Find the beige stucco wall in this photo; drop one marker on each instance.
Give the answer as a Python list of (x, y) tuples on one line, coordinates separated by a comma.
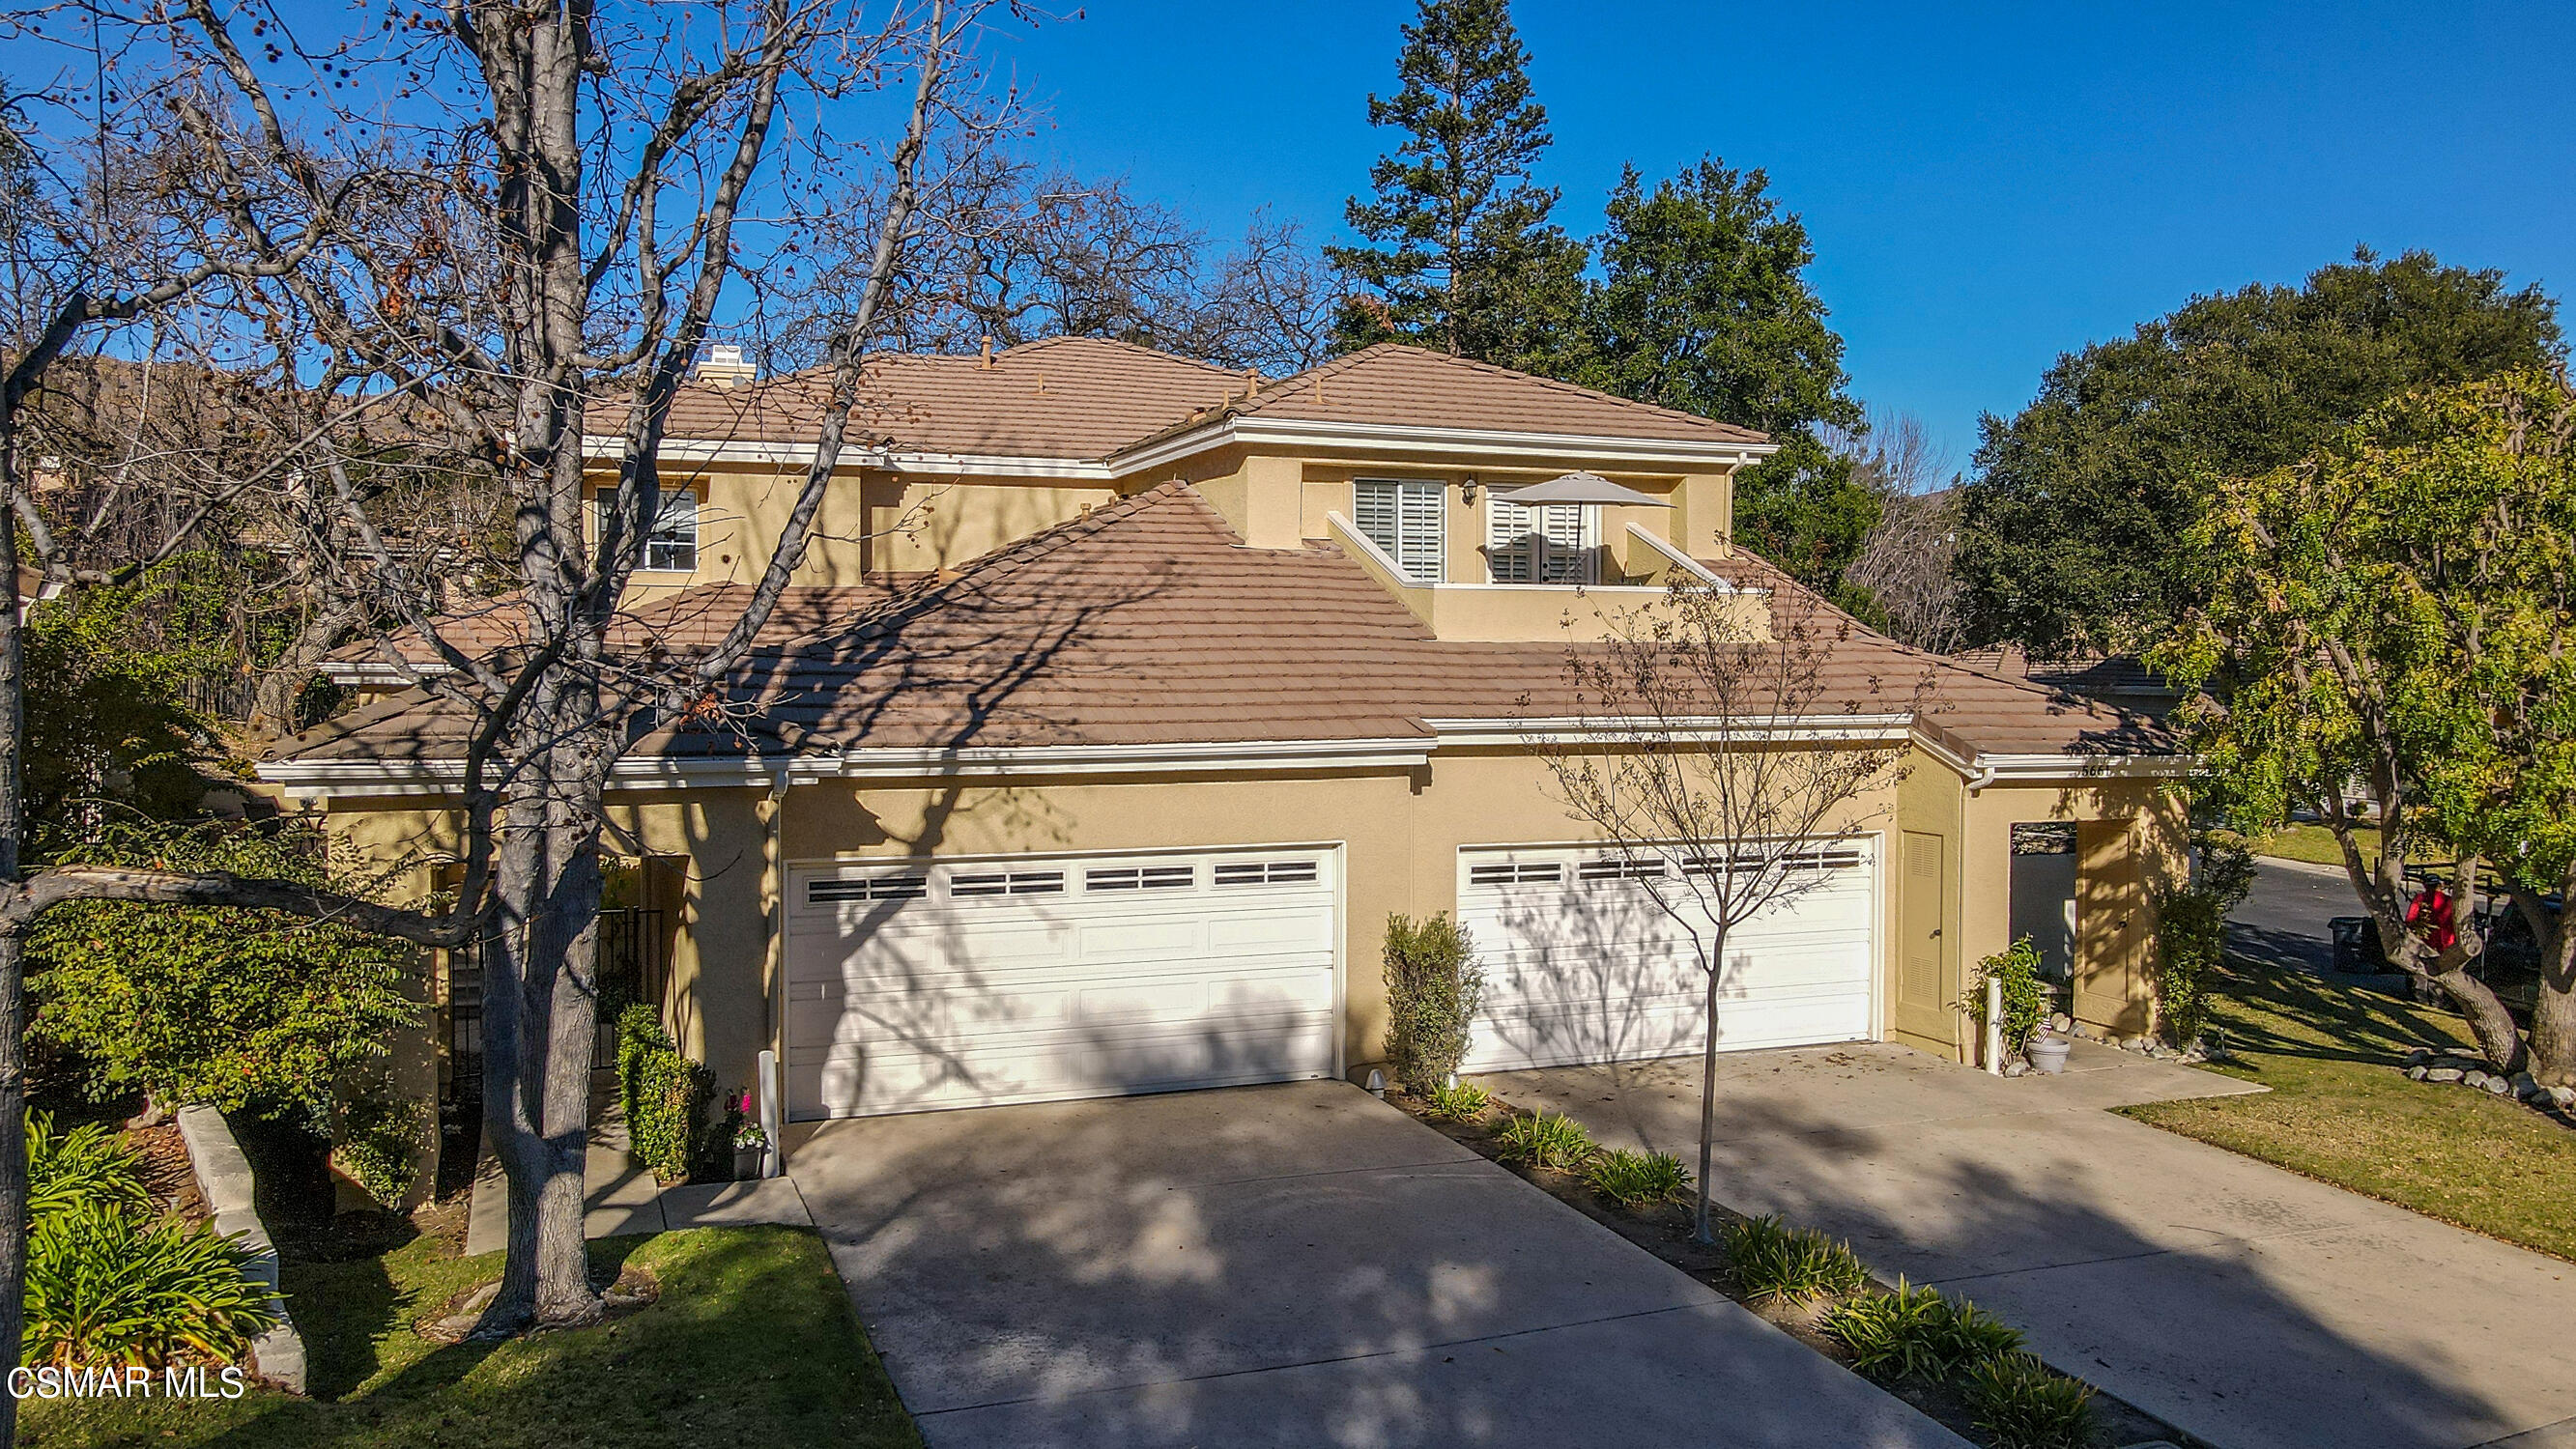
[(871, 521)]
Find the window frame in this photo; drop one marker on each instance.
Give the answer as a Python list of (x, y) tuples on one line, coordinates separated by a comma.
[(1406, 542), (678, 554), (1532, 553)]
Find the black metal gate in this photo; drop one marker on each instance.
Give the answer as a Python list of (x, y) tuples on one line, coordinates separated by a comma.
[(630, 944)]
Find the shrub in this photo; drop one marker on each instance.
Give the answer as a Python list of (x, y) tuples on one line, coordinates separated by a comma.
[(109, 1283), (2021, 1405), (1540, 1140), (378, 1146), (1798, 1265), (1918, 1333), (235, 1009), (88, 1164), (1638, 1179), (1461, 1103), (2025, 994), (106, 1285), (665, 1095), (1433, 986), (2191, 933)]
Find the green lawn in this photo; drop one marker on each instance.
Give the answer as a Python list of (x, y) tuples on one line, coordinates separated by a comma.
[(2316, 845), (2341, 1111), (752, 1343)]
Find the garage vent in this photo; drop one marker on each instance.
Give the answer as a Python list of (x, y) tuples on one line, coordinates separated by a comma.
[(869, 888), (1008, 883), (1800, 860), (1621, 868), (1522, 872), (1265, 872), (1142, 877)]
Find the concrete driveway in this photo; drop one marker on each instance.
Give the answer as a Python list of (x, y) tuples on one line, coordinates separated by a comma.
[(2250, 1306), (1293, 1265)]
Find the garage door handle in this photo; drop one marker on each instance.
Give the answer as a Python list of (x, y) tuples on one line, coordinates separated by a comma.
[(1936, 930)]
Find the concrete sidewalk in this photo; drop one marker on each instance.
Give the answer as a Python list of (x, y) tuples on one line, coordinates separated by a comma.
[(1298, 1265), (621, 1196), (2247, 1305)]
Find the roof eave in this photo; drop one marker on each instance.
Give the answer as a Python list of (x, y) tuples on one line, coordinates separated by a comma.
[(1412, 440)]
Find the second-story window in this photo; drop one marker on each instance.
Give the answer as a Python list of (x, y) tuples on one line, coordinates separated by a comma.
[(1548, 544), (671, 545), (1403, 517)]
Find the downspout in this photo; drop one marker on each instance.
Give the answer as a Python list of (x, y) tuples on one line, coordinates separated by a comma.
[(773, 895)]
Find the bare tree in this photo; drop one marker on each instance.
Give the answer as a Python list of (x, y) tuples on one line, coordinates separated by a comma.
[(1714, 744), (521, 238), (1906, 560), (1271, 304)]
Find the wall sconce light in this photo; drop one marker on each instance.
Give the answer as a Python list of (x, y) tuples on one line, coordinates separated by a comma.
[(1467, 491)]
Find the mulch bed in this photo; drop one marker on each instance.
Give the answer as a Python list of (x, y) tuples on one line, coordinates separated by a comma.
[(1665, 1231), (167, 1176)]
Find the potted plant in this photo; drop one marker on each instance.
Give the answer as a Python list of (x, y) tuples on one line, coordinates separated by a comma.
[(750, 1143), (2048, 1054)]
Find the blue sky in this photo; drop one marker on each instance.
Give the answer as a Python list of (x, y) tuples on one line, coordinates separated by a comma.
[(1987, 185)]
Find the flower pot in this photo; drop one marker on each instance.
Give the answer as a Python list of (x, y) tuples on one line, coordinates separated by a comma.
[(2048, 1055), (746, 1163)]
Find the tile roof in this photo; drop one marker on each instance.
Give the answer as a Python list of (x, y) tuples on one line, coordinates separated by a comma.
[(1063, 397), (1086, 399), (674, 624), (1147, 622), (1391, 383)]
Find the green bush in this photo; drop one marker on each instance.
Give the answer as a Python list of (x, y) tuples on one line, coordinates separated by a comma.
[(1461, 1103), (665, 1095), (2025, 994), (1919, 1333), (88, 1164), (1638, 1179), (378, 1146), (1433, 986), (1540, 1140), (234, 1009), (1797, 1265), (106, 1285), (107, 1282), (2021, 1405), (2191, 933)]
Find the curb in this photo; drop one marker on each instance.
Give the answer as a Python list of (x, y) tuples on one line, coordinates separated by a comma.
[(224, 1178)]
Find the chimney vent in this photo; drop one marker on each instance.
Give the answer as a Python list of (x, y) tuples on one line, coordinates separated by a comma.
[(722, 365), (987, 363)]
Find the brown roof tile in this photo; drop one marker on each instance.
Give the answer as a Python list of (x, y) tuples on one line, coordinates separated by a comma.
[(1064, 397), (1148, 622), (675, 624), (1392, 383)]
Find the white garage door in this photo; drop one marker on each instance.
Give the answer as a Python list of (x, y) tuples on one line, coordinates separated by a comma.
[(1581, 965), (956, 984)]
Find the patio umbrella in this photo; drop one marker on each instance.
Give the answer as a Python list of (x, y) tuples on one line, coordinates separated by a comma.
[(1581, 488)]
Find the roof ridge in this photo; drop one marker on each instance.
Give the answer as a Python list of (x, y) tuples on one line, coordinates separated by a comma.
[(1158, 354)]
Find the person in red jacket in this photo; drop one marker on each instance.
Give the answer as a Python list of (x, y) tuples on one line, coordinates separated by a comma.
[(2434, 915)]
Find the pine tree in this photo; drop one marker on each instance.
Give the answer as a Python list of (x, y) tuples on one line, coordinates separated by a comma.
[(1464, 258)]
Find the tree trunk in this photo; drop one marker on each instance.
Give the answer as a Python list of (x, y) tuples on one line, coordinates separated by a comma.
[(2553, 1016), (540, 1010), (1708, 1092)]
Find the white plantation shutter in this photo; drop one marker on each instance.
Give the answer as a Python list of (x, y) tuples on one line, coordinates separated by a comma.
[(1568, 558), (1403, 518), (1546, 544)]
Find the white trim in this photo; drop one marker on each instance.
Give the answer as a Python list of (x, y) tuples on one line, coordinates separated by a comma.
[(748, 450), (1689, 565), (1487, 732), (372, 671), (1414, 440), (361, 779), (1266, 756)]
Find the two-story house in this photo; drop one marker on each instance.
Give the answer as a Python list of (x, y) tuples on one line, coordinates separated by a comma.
[(1122, 699)]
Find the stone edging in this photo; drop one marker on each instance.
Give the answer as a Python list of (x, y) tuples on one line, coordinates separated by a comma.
[(2441, 1068), (223, 1177)]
